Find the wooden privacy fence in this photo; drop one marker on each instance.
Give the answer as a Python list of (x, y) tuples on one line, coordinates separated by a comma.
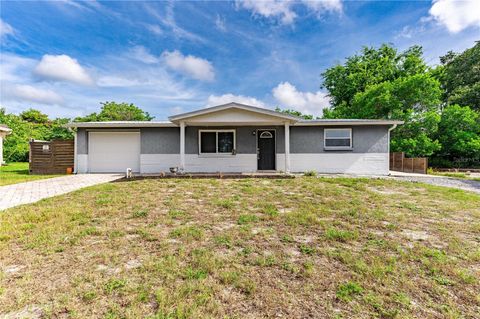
[(53, 157), (398, 162)]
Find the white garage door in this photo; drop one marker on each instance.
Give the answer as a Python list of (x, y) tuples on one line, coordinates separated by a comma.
[(112, 152)]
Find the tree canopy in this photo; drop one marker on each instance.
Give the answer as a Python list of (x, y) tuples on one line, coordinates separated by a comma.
[(30, 124), (33, 124), (295, 113), (113, 111), (460, 76), (382, 83)]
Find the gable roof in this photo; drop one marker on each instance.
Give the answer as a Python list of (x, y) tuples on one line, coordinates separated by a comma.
[(236, 115), (234, 105)]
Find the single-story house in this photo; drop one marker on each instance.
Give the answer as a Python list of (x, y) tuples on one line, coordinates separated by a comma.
[(4, 131), (234, 138)]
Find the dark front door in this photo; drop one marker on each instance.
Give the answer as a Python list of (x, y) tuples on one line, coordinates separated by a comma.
[(266, 149)]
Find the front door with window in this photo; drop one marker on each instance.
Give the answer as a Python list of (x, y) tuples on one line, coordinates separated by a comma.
[(266, 149)]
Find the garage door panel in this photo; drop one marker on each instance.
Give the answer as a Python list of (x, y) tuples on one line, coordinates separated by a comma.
[(113, 151)]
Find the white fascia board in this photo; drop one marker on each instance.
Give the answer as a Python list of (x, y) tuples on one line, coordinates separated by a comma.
[(120, 124), (346, 122), (222, 107)]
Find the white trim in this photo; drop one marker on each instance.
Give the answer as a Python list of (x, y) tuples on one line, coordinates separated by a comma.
[(182, 146), (269, 135), (233, 105), (344, 122), (75, 160), (121, 124), (217, 153), (287, 147), (337, 148)]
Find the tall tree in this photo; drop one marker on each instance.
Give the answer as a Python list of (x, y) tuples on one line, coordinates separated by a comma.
[(295, 113), (34, 116), (459, 133), (30, 124), (386, 84), (460, 77), (112, 111)]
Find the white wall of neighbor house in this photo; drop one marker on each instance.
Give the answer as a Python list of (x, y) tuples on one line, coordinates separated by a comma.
[(1, 149)]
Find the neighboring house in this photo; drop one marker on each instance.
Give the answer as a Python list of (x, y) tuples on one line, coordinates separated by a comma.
[(234, 138), (4, 131)]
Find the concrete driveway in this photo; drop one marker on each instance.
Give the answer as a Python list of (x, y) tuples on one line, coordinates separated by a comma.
[(30, 192), (464, 184)]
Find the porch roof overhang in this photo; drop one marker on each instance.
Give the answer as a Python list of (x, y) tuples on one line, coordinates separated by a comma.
[(234, 114)]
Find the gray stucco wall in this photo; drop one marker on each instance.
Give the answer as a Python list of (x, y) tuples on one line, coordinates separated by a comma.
[(160, 140), (366, 139), (303, 139)]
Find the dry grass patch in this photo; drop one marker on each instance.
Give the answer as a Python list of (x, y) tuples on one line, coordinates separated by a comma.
[(305, 247)]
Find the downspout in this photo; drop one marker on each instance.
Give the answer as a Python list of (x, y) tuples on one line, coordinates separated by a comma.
[(75, 153)]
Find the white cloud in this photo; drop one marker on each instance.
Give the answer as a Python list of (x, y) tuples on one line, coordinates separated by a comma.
[(6, 29), (270, 9), (324, 5), (220, 23), (62, 68), (116, 81), (456, 15), (168, 22), (176, 110), (284, 10), (155, 29), (141, 54), (190, 65), (29, 93), (214, 100), (306, 102)]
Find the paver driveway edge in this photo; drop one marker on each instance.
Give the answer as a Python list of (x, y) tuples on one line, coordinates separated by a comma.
[(31, 192)]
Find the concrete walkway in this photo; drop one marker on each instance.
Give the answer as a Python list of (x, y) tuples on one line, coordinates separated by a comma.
[(30, 192)]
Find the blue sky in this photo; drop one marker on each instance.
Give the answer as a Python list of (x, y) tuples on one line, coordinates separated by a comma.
[(64, 57)]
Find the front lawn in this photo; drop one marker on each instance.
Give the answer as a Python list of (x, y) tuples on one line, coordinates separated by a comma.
[(298, 248), (14, 173)]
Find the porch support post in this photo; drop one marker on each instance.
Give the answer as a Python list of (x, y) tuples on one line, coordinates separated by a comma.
[(182, 146), (287, 147)]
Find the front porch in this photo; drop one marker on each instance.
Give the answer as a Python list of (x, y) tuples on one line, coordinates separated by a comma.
[(234, 138)]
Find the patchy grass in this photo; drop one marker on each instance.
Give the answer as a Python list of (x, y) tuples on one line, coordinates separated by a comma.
[(14, 173), (304, 247)]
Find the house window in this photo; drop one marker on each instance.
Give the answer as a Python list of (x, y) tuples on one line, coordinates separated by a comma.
[(217, 141), (338, 139)]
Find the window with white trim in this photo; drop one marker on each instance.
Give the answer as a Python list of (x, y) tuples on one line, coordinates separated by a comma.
[(338, 138), (216, 141)]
